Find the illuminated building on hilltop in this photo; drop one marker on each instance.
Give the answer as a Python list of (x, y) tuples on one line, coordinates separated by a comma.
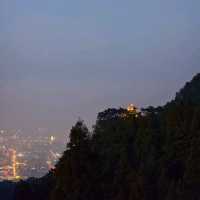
[(131, 108)]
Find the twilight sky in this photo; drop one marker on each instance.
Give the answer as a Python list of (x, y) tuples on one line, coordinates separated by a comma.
[(63, 59)]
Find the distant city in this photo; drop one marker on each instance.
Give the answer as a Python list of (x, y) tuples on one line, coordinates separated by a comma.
[(23, 156)]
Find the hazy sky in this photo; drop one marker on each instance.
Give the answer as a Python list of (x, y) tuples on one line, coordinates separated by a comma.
[(63, 59)]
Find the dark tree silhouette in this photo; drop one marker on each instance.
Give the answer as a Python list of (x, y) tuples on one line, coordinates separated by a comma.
[(149, 155)]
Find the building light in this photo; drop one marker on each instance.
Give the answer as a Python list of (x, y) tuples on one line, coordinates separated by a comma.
[(131, 108), (52, 138)]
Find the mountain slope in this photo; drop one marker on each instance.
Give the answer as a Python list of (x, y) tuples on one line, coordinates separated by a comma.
[(190, 94), (153, 155)]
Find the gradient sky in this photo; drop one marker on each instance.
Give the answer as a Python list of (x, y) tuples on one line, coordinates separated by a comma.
[(63, 59)]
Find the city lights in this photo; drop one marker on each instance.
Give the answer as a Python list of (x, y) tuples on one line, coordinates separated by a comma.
[(23, 156)]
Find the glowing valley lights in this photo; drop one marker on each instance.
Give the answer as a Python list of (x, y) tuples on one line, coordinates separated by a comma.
[(14, 168), (27, 156), (9, 171)]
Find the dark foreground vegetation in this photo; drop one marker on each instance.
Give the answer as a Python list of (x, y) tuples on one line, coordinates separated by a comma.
[(151, 155)]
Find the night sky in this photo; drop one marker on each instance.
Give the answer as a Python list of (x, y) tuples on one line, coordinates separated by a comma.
[(60, 60)]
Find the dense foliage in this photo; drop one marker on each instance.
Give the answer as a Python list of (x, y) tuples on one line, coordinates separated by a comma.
[(151, 155), (35, 188)]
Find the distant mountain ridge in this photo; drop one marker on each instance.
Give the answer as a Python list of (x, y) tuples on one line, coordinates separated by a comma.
[(190, 93)]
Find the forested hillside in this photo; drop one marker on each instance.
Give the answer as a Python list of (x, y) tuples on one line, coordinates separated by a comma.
[(151, 154)]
